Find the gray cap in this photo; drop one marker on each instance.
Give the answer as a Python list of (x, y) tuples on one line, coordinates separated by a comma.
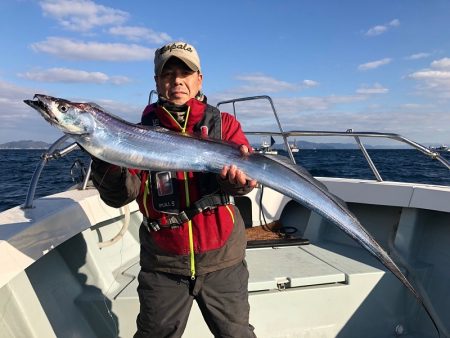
[(182, 50)]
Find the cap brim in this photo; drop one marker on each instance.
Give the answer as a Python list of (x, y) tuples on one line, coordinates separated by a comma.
[(188, 63)]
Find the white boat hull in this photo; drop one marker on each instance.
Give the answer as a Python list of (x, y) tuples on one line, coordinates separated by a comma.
[(57, 282)]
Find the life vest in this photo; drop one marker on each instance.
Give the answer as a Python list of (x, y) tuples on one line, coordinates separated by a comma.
[(163, 186)]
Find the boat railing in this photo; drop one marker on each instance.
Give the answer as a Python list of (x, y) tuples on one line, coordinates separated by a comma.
[(269, 99), (52, 153), (348, 133)]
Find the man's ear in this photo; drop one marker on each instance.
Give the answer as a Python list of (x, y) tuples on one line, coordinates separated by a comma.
[(156, 83), (200, 76)]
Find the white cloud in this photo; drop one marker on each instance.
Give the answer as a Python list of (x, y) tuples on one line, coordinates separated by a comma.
[(17, 120), (418, 126), (376, 30), (310, 83), (13, 110), (129, 112), (264, 84), (82, 15), (67, 75), (288, 105), (80, 50), (374, 64), (431, 126), (375, 89), (135, 33), (260, 83), (418, 56), (431, 75), (380, 29), (314, 103), (394, 23), (441, 64), (422, 123), (434, 81), (416, 106), (20, 122)]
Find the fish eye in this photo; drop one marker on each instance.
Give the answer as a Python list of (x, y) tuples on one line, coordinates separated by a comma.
[(62, 108)]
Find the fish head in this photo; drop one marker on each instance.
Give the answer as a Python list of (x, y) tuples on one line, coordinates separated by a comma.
[(70, 117)]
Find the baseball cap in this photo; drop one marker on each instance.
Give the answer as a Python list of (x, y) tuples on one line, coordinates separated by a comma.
[(182, 50)]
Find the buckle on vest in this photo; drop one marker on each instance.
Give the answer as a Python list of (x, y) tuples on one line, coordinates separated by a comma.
[(150, 225), (208, 202), (173, 222)]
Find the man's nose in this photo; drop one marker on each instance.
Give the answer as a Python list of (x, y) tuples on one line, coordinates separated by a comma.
[(177, 76)]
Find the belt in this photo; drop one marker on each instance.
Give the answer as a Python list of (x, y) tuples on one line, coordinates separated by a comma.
[(173, 221)]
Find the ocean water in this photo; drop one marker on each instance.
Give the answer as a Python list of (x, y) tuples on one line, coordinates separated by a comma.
[(406, 165), (17, 167)]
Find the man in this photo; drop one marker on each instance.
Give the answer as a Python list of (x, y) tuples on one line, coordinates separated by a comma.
[(192, 236)]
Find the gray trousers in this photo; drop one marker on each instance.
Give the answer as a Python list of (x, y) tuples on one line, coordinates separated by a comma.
[(166, 300)]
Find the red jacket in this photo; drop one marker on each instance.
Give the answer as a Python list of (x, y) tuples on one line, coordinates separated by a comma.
[(215, 238)]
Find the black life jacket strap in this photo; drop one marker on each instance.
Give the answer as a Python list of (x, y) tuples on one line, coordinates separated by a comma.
[(207, 202)]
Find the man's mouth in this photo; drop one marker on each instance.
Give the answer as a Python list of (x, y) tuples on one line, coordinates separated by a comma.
[(178, 93)]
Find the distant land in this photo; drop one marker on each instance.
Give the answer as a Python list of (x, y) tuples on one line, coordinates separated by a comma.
[(25, 144)]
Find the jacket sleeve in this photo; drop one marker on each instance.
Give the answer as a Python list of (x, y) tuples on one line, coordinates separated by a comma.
[(232, 131), (117, 186), (233, 189)]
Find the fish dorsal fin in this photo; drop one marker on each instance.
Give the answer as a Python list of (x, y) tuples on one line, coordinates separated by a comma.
[(158, 129), (307, 175), (95, 105)]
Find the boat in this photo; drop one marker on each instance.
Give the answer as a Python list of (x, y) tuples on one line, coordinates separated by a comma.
[(266, 147), (294, 148), (442, 147), (69, 263)]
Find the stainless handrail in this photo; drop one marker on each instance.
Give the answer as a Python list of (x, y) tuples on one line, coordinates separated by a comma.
[(392, 136), (349, 133), (368, 159), (262, 97), (51, 153), (432, 154), (88, 176), (150, 96)]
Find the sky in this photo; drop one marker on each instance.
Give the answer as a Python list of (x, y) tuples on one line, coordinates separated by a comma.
[(328, 65)]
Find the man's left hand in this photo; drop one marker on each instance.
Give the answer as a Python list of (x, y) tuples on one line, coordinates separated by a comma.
[(235, 175)]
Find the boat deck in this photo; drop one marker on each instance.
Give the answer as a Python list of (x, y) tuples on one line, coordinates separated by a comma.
[(328, 288), (325, 290)]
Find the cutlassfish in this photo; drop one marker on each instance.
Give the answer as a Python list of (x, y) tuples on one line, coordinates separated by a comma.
[(119, 142)]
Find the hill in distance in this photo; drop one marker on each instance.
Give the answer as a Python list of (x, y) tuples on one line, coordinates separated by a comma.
[(25, 144)]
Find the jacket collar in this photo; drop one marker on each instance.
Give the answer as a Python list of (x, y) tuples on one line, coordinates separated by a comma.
[(196, 110)]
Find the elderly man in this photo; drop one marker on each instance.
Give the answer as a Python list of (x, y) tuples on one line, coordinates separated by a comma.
[(192, 235)]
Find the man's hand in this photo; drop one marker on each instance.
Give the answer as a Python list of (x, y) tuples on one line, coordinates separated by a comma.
[(236, 176)]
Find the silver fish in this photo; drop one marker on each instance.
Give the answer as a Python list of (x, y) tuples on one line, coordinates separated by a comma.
[(117, 141)]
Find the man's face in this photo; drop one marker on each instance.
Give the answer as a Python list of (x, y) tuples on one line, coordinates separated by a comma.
[(177, 82)]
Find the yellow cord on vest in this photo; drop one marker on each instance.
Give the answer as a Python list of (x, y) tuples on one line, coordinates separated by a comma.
[(146, 191), (188, 202)]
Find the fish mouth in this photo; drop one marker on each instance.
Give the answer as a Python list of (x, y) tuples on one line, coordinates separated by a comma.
[(41, 102)]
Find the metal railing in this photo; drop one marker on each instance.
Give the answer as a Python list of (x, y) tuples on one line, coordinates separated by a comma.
[(268, 98), (52, 153), (349, 133)]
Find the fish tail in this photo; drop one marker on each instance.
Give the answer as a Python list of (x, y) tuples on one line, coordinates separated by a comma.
[(399, 274)]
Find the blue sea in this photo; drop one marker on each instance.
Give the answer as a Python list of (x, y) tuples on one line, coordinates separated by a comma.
[(406, 165)]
